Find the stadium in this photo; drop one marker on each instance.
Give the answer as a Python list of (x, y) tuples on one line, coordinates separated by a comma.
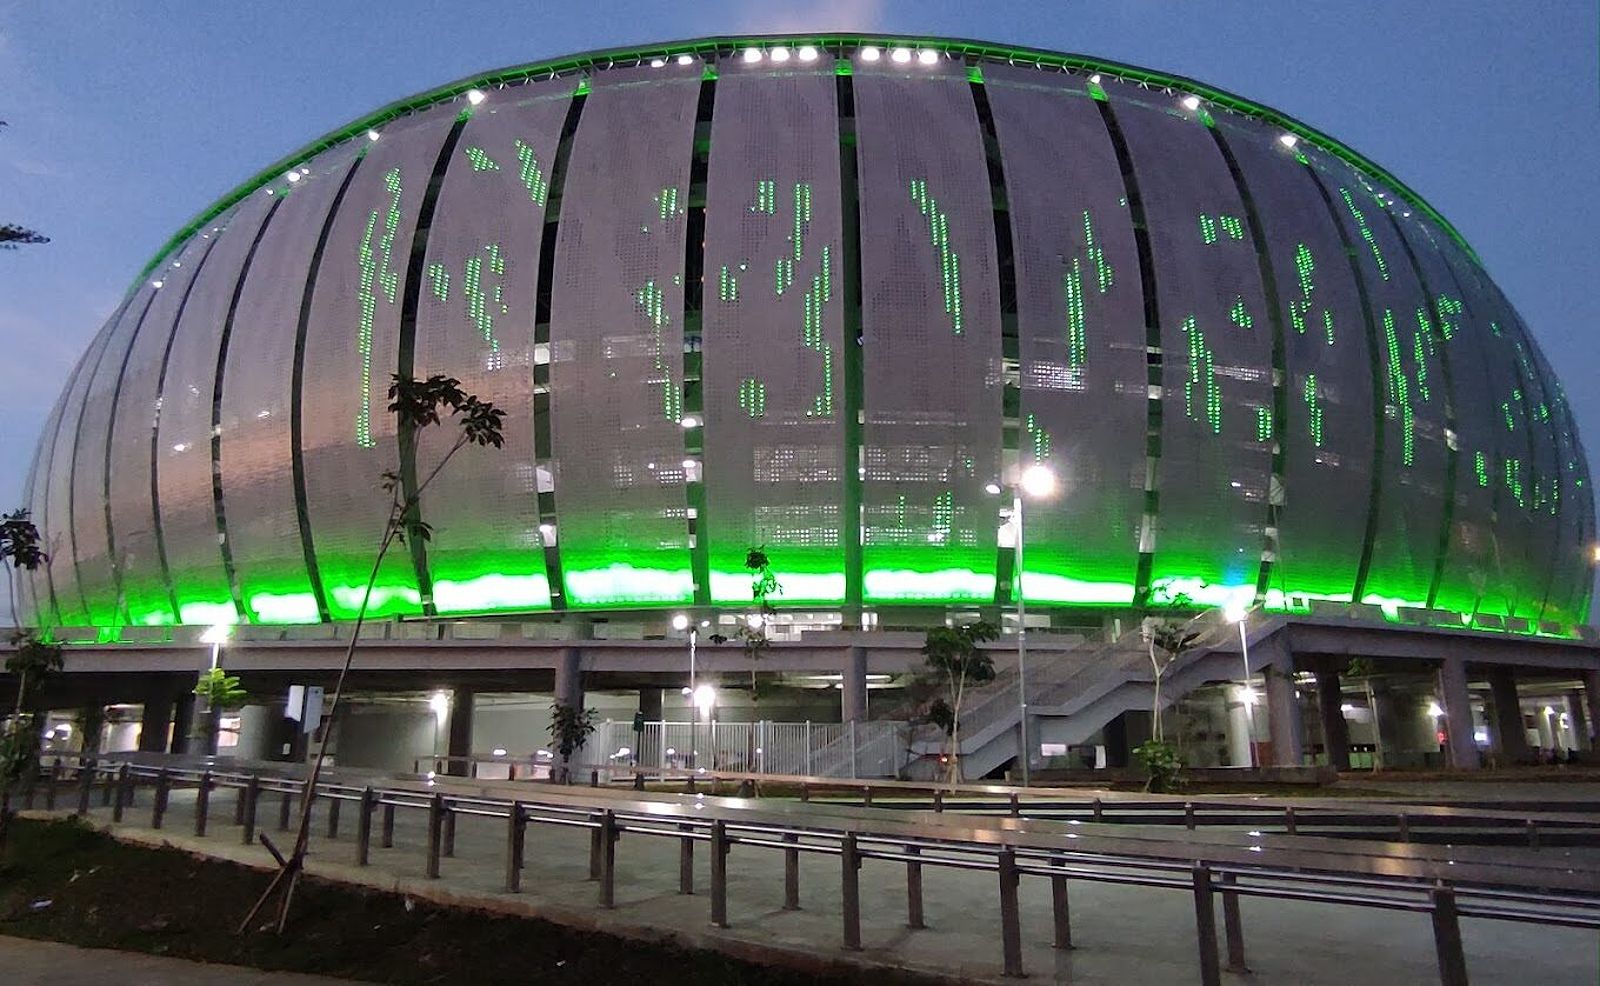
[(833, 297)]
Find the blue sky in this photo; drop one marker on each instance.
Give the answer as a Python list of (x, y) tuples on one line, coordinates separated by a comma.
[(128, 118)]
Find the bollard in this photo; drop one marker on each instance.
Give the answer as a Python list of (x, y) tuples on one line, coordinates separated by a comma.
[(386, 840), (1533, 834), (516, 836), (594, 778), (250, 795), (850, 891), (1188, 815), (1010, 917), (608, 859), (158, 802), (1205, 921), (1016, 808), (285, 805), (1232, 925), (913, 888), (333, 816), (364, 827), (1060, 911), (108, 788), (1447, 937), (435, 834), (1288, 820), (1404, 828), (238, 807), (1099, 810), (50, 789), (791, 874), (449, 833), (805, 791), (85, 785), (688, 785), (685, 860), (719, 874), (938, 801), (202, 804), (866, 796), (123, 796), (638, 781)]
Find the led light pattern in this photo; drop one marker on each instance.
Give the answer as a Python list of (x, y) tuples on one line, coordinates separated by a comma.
[(487, 554), (931, 392), (1215, 466), (255, 445), (1072, 289), (1360, 218), (359, 286), (774, 437), (616, 343), (1327, 428)]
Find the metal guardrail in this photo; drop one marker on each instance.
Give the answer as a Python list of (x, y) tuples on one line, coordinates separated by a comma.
[(1562, 894)]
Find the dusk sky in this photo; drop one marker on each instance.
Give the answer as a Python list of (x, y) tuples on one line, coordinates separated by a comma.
[(126, 119)]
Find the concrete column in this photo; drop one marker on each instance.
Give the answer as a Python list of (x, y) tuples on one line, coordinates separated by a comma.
[(1457, 703), (459, 741), (1239, 738), (853, 697), (1506, 729), (1591, 697), (1547, 728), (1580, 721), (1283, 717), (91, 722), (154, 721), (650, 704), (1385, 724), (569, 677), (183, 723), (1330, 703)]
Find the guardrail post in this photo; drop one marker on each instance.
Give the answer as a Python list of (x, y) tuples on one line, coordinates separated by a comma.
[(249, 795), (1016, 807), (435, 834), (719, 874), (364, 827), (1205, 921), (50, 790), (202, 804), (1188, 815), (1060, 910), (1533, 834), (123, 796), (1010, 918), (108, 787), (158, 801), (685, 859), (638, 780), (516, 836), (791, 874), (386, 838), (1404, 827), (238, 806), (805, 791), (1288, 820), (85, 785), (285, 804), (1099, 810), (1232, 925), (594, 778), (448, 846), (866, 796), (1447, 937), (850, 891), (938, 801), (914, 888), (608, 859), (333, 816)]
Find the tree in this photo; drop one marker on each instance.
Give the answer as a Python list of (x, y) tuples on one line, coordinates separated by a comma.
[(570, 728), (952, 654), (11, 235), (416, 405), (219, 690), (31, 661), (753, 635), (1167, 639)]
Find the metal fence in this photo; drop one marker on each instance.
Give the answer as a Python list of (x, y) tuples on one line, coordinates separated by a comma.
[(878, 748)]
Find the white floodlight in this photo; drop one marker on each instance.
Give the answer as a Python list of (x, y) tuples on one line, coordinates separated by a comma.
[(293, 177), (705, 697), (752, 55), (657, 62), (218, 634), (685, 59), (680, 622), (439, 702), (900, 55), (372, 135), (1038, 480), (927, 56), (475, 96), (690, 421), (870, 54), (993, 489), (1191, 102), (1435, 710), (1095, 78), (808, 53), (1288, 140), (780, 54)]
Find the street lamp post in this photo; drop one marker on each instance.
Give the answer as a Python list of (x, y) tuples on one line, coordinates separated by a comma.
[(682, 622), (1038, 481), (1238, 617)]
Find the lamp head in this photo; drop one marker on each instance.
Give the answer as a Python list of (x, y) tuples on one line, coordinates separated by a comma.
[(1038, 480)]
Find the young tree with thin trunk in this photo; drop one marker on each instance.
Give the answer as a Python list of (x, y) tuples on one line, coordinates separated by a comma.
[(953, 655), (31, 660)]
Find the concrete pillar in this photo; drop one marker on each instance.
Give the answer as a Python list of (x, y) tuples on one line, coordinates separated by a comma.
[(569, 685), (154, 721), (183, 723), (1283, 717), (1385, 724), (1580, 721), (650, 704), (1547, 728), (1239, 737), (1457, 703), (1506, 729), (459, 741), (91, 722), (853, 697), (1591, 697), (1330, 703)]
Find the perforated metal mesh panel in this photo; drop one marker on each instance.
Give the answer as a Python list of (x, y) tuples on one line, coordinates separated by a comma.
[(773, 350), (1081, 335), (91, 555), (1216, 343), (616, 343), (1573, 550), (475, 322), (1471, 579), (146, 599), (1530, 483), (1328, 439), (352, 346), (258, 497), (1405, 545), (931, 368)]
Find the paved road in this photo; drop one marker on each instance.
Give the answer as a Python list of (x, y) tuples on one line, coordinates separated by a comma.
[(25, 962)]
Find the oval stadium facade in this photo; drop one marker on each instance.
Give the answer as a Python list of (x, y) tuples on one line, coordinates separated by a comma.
[(820, 295)]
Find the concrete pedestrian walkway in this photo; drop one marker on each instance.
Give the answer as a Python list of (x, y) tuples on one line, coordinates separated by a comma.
[(25, 962), (1121, 934)]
